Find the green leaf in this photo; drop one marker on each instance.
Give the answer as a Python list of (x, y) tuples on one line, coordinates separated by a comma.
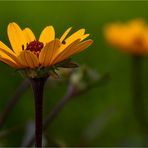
[(70, 65)]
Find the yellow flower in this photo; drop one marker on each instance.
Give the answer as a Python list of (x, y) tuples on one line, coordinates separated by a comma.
[(131, 37), (28, 52)]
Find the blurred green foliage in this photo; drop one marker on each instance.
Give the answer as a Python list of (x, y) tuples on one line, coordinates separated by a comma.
[(120, 127)]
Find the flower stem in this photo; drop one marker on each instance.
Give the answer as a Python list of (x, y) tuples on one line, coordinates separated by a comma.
[(69, 95), (138, 103), (38, 88)]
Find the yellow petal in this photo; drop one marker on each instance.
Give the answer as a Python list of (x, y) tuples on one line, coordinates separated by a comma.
[(84, 37), (60, 56), (48, 52), (6, 48), (29, 35), (65, 34), (16, 37), (75, 36), (8, 62), (28, 59), (47, 35), (75, 48), (80, 47), (3, 46), (5, 52), (9, 56)]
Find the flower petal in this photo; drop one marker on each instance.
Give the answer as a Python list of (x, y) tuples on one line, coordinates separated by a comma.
[(6, 48), (47, 35), (29, 35), (80, 47), (28, 59), (48, 52), (5, 52), (16, 37), (73, 49), (9, 62), (60, 56), (75, 36), (84, 37), (65, 34), (9, 56)]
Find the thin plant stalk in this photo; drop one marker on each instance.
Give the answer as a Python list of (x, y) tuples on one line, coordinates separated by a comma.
[(13, 100), (38, 88), (138, 102)]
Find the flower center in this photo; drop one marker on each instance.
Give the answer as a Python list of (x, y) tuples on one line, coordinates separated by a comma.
[(35, 46)]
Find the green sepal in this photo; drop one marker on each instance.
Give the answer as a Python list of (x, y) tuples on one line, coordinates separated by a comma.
[(46, 71), (67, 64)]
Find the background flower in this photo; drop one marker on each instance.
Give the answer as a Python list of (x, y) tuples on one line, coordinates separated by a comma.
[(131, 37)]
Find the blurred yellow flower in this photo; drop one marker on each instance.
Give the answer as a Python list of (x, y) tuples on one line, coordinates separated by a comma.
[(131, 37), (28, 52)]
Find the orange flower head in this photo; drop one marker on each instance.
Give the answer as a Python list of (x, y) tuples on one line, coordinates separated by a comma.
[(131, 37), (31, 54)]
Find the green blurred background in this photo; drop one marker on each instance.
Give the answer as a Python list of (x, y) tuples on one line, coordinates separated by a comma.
[(103, 116)]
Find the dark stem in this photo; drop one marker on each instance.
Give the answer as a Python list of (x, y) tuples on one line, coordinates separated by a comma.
[(54, 113), (12, 102), (71, 92), (38, 88), (138, 102)]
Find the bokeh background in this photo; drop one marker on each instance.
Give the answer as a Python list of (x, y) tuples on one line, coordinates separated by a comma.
[(103, 116)]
